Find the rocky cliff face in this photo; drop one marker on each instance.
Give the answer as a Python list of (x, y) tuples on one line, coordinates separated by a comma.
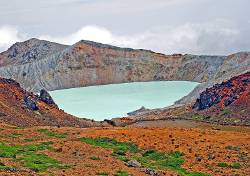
[(224, 94), (233, 65), (21, 108), (225, 103), (89, 63)]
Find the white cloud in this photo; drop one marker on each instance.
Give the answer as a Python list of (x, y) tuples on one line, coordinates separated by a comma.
[(8, 36), (93, 33), (215, 37)]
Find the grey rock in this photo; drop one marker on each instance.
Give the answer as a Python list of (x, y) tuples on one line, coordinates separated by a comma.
[(138, 111), (211, 156), (151, 172), (30, 103), (133, 163), (45, 97), (199, 158), (39, 64)]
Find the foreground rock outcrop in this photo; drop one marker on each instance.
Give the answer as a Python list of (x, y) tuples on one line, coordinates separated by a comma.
[(226, 93), (21, 108)]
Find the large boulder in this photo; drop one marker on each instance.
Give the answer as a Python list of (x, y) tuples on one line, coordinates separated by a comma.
[(133, 163), (45, 97), (30, 103)]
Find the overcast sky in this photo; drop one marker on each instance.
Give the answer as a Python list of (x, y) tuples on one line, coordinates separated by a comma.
[(167, 26)]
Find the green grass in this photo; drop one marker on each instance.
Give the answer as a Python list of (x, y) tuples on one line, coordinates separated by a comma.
[(29, 140), (197, 116), (122, 158), (233, 165), (15, 135), (118, 147), (223, 165), (52, 134), (148, 159), (235, 148), (164, 161), (94, 158), (2, 167), (39, 162), (28, 156), (37, 147), (242, 155), (226, 111), (5, 168), (160, 160), (7, 151), (121, 173)]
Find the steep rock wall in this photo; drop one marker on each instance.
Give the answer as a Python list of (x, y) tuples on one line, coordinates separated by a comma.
[(89, 63)]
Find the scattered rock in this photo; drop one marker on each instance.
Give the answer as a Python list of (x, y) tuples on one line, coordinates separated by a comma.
[(199, 158), (59, 149), (2, 114), (211, 156), (151, 172), (133, 163), (30, 103), (11, 169), (76, 153)]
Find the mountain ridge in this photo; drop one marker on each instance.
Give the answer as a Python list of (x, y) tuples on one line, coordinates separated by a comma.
[(90, 63), (102, 59)]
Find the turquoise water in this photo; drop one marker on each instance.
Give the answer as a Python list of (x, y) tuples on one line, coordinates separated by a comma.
[(116, 100)]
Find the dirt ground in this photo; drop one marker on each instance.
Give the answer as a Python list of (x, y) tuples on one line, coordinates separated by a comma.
[(204, 147)]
